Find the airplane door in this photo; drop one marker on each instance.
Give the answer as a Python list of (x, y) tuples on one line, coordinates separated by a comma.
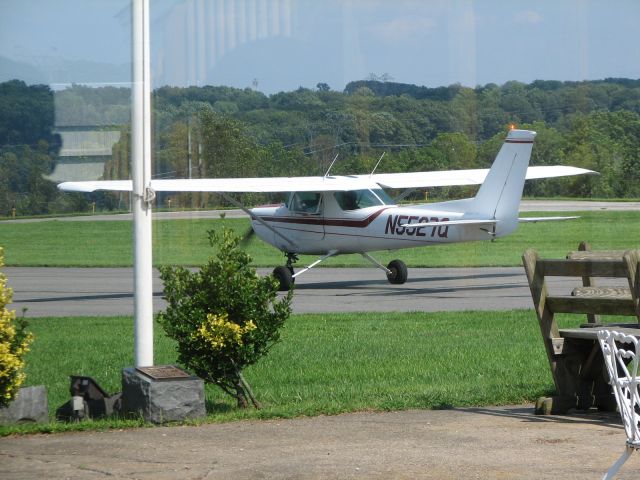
[(305, 222)]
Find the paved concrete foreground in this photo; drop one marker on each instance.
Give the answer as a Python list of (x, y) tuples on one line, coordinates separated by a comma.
[(491, 443)]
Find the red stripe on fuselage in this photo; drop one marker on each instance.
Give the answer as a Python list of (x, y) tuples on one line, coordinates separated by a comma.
[(334, 222)]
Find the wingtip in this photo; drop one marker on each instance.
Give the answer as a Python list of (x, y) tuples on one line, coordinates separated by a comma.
[(70, 187), (584, 171)]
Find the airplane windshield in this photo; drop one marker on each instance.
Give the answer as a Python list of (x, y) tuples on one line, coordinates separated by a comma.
[(357, 199), (382, 195)]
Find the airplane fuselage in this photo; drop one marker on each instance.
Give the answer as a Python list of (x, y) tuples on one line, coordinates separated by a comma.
[(373, 228)]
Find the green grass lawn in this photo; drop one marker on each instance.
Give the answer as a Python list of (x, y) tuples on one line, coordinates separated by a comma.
[(324, 364), (184, 242)]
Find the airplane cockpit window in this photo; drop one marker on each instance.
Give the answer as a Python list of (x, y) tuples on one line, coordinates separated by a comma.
[(305, 202), (357, 199)]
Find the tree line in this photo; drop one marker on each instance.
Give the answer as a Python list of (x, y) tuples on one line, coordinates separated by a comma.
[(214, 131)]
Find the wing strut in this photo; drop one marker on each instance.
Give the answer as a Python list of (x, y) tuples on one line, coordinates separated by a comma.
[(330, 253), (256, 218), (376, 263)]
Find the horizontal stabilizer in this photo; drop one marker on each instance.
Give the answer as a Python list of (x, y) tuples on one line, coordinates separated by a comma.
[(544, 219), (452, 222)]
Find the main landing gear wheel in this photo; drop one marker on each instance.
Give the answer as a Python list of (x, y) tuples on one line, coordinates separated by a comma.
[(284, 276), (398, 273)]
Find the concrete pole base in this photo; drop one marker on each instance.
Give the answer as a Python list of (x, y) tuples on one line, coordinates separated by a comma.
[(162, 394)]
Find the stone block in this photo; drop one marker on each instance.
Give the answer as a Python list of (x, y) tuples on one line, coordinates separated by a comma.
[(161, 400), (30, 405)]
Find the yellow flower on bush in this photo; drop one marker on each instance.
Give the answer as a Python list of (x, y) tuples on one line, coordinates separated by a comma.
[(14, 343), (219, 332)]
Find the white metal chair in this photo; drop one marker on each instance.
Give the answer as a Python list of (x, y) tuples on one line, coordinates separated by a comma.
[(621, 356)]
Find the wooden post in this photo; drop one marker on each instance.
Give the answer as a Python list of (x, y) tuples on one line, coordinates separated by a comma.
[(589, 282), (546, 320), (538, 286), (562, 371), (632, 258)]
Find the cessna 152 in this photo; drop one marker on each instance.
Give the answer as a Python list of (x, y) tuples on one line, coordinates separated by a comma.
[(334, 215)]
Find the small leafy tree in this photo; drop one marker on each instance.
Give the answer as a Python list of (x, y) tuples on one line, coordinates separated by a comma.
[(14, 343), (224, 317)]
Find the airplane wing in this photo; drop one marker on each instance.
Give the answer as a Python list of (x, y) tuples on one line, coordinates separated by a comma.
[(447, 178), (232, 185), (319, 184), (92, 186)]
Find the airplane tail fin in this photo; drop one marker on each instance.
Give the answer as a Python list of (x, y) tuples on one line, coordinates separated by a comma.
[(500, 194)]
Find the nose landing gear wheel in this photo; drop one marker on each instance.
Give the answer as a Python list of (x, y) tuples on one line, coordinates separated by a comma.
[(284, 275), (398, 273)]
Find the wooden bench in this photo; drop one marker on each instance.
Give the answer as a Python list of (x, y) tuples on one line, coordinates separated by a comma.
[(574, 353)]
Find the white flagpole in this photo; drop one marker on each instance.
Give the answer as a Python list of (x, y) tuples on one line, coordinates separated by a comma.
[(142, 194)]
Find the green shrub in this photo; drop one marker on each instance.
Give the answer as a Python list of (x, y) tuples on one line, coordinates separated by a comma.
[(14, 343), (224, 317)]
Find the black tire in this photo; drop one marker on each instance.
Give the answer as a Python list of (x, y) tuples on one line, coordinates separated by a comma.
[(398, 273), (284, 276)]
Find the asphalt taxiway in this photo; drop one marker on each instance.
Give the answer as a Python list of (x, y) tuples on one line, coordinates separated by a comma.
[(109, 291)]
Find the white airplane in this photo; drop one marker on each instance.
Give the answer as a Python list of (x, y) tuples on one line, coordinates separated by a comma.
[(333, 215)]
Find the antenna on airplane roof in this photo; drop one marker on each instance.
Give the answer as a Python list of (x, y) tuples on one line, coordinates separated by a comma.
[(379, 160), (329, 169)]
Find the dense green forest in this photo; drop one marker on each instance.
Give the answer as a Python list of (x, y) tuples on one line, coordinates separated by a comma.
[(227, 132)]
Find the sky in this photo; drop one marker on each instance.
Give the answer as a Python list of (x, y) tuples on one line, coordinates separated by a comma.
[(280, 45)]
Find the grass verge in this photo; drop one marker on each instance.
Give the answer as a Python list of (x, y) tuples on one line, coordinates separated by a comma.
[(325, 364), (184, 242)]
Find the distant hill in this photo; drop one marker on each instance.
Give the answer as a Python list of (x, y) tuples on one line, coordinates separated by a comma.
[(383, 89), (10, 70), (393, 88)]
